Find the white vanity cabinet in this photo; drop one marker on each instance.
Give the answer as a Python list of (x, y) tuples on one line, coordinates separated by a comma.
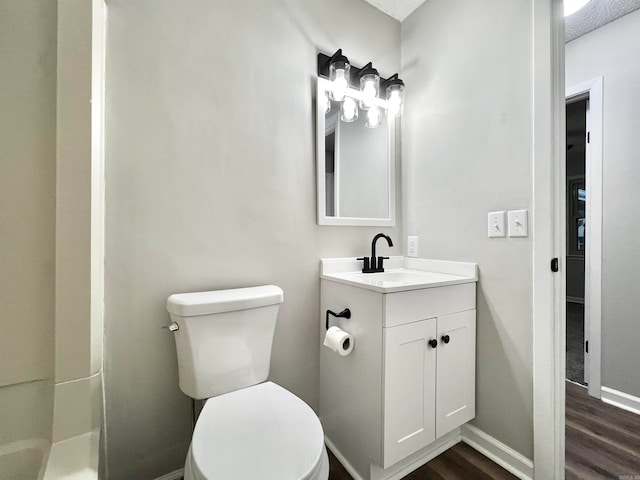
[(410, 379), (429, 381)]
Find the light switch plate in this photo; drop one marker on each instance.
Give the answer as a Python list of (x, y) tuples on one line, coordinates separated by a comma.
[(496, 224), (412, 246), (518, 224)]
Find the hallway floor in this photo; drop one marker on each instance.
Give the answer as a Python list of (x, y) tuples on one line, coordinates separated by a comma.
[(602, 441), (575, 342)]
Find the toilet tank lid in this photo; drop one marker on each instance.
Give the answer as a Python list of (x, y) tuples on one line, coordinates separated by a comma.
[(219, 301)]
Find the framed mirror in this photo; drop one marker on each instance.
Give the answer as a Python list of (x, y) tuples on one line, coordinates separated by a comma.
[(355, 165)]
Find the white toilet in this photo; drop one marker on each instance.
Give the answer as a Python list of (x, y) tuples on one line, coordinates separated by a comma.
[(247, 429)]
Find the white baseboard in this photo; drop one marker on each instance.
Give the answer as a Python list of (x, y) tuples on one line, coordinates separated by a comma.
[(505, 456), (577, 384), (336, 453), (175, 475), (620, 399)]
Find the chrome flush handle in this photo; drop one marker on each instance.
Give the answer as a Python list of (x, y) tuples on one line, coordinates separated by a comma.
[(173, 327)]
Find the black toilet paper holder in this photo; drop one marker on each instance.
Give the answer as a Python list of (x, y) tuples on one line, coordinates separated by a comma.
[(346, 313)]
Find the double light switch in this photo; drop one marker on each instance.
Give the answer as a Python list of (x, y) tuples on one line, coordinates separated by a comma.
[(517, 224)]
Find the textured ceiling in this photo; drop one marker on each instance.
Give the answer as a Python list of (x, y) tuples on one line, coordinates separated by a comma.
[(398, 9), (595, 14)]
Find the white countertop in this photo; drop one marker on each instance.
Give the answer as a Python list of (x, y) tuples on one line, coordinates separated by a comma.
[(401, 273)]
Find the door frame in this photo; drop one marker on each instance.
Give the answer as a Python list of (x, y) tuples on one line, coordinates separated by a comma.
[(593, 90), (549, 239), (549, 296)]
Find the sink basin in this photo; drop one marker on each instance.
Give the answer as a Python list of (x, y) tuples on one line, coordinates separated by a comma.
[(399, 279)]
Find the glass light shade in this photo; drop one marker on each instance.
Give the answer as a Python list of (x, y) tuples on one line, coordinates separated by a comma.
[(395, 100), (369, 88), (349, 110), (373, 117), (339, 76)]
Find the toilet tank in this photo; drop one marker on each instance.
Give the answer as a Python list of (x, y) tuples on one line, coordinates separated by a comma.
[(224, 338)]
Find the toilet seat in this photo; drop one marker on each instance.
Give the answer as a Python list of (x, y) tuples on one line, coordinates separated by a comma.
[(262, 432)]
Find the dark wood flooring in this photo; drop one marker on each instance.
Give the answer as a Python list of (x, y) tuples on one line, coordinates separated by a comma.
[(602, 441), (460, 462)]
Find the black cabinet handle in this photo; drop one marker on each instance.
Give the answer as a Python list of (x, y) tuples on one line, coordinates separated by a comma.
[(445, 338), (433, 343)]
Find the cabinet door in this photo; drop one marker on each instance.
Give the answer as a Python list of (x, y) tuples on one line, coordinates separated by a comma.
[(456, 371), (409, 389)]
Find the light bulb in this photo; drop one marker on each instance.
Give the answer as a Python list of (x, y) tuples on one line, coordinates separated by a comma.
[(349, 110), (369, 90), (369, 85), (340, 85), (373, 117), (394, 103), (339, 76), (395, 99)]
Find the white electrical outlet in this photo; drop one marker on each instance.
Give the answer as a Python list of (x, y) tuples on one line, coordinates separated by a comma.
[(496, 224), (412, 246), (518, 223)]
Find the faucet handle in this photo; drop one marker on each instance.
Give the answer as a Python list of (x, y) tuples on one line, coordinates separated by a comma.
[(381, 263), (365, 266)]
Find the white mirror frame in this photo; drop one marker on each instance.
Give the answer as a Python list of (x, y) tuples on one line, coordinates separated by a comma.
[(324, 85)]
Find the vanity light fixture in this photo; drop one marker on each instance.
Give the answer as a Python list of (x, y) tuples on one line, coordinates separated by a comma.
[(369, 91)]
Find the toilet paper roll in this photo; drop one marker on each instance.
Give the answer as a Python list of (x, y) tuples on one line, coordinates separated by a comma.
[(339, 341)]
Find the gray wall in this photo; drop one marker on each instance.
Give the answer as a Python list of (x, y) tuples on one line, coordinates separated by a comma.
[(466, 149), (27, 217), (210, 183), (612, 51)]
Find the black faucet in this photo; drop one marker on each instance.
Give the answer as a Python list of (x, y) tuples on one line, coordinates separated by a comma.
[(373, 264)]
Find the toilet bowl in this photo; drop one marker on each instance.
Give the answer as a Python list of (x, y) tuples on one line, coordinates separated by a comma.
[(249, 428), (260, 432)]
